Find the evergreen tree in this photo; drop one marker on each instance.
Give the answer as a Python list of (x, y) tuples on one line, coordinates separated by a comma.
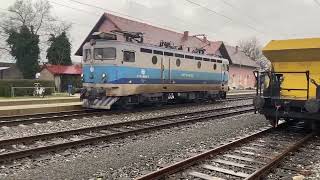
[(59, 51), (24, 47)]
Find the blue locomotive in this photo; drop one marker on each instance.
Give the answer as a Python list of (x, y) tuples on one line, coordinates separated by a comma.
[(130, 72)]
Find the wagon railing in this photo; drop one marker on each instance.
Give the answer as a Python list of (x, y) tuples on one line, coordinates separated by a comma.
[(272, 75)]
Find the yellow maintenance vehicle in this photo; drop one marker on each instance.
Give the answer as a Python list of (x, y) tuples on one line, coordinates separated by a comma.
[(290, 90)]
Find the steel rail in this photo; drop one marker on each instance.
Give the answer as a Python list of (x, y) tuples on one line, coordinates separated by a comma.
[(49, 117), (42, 118), (161, 173), (167, 121), (278, 159), (257, 174)]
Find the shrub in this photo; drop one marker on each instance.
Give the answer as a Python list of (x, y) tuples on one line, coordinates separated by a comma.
[(5, 87)]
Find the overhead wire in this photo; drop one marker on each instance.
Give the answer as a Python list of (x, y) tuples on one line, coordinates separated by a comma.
[(225, 17), (77, 9), (317, 2), (179, 19), (119, 13), (238, 9)]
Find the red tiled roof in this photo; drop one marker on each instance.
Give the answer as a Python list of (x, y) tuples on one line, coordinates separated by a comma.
[(60, 69), (240, 58), (152, 34)]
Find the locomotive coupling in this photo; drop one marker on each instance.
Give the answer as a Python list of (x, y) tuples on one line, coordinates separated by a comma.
[(312, 105), (258, 102)]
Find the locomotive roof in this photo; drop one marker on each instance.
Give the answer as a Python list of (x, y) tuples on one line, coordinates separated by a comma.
[(154, 47)]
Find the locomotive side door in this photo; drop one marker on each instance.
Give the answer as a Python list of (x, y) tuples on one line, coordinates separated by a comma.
[(224, 74), (165, 69)]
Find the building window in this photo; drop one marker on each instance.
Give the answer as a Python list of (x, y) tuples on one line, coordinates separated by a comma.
[(128, 56), (206, 59), (178, 62), (105, 53), (87, 54), (214, 66), (154, 60), (199, 64)]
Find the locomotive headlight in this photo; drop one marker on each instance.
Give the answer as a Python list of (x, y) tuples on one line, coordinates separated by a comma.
[(82, 75), (104, 77), (312, 105)]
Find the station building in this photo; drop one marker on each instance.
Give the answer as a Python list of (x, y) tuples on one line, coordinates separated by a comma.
[(241, 66), (61, 75), (9, 71)]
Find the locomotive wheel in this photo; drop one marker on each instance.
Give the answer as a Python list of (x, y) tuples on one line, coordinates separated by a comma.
[(124, 104)]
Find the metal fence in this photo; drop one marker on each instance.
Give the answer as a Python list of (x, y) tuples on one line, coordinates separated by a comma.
[(29, 90)]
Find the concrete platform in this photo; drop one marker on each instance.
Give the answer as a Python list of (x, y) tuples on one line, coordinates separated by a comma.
[(241, 92), (39, 100), (38, 109)]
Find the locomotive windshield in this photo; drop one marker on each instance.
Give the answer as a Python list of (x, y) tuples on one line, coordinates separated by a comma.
[(105, 53)]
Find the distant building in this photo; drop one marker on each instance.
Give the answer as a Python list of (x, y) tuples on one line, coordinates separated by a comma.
[(9, 71), (241, 75), (61, 75)]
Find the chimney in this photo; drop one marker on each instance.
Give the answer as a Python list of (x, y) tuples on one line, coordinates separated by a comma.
[(205, 39), (237, 49), (185, 35)]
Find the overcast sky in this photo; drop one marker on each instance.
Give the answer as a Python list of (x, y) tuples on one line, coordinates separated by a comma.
[(236, 19)]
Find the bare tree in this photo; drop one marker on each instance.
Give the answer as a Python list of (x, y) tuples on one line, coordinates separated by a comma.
[(34, 14), (253, 49)]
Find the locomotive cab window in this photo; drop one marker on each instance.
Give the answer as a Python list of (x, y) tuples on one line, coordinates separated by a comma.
[(128, 56), (105, 53), (87, 54)]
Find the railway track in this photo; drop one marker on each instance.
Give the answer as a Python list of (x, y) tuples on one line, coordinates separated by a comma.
[(27, 146), (250, 157), (43, 118)]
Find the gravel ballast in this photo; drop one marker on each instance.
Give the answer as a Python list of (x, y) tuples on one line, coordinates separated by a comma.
[(64, 125), (130, 157)]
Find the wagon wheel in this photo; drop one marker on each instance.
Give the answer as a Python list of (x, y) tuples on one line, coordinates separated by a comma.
[(273, 121)]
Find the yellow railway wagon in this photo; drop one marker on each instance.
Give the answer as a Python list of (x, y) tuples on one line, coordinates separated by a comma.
[(292, 86)]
